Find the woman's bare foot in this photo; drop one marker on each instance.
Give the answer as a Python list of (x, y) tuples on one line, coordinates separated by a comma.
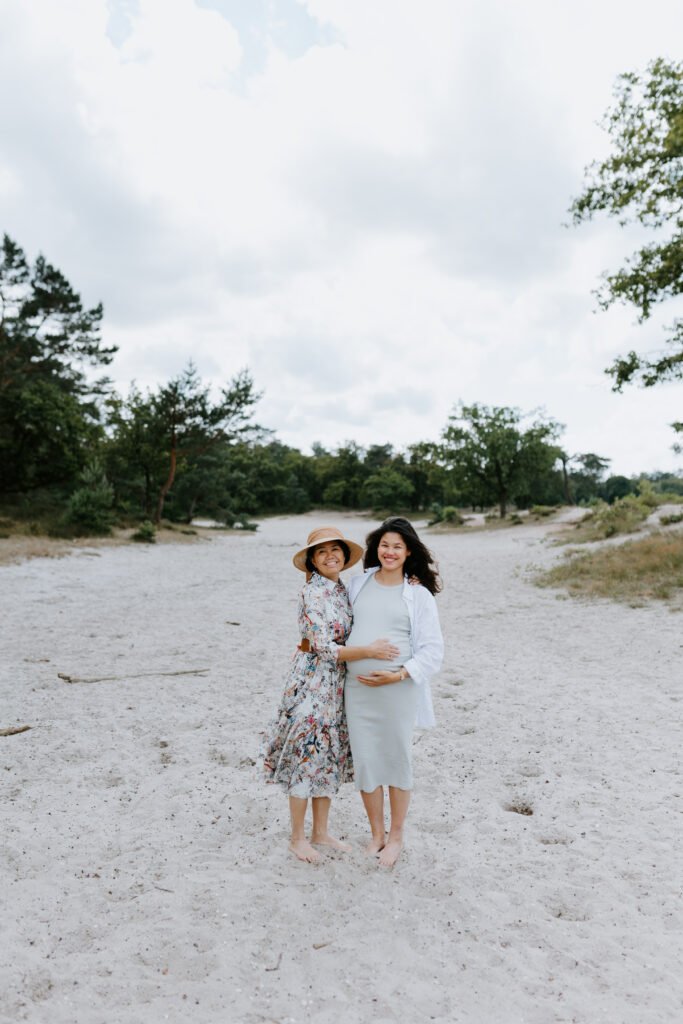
[(327, 840), (375, 845), (389, 854), (303, 850)]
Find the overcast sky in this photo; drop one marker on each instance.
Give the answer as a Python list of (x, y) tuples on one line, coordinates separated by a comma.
[(363, 201)]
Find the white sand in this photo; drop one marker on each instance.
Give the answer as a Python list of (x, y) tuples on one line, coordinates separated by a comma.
[(144, 868)]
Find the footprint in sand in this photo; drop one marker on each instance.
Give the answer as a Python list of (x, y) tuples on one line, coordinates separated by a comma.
[(519, 806), (564, 912)]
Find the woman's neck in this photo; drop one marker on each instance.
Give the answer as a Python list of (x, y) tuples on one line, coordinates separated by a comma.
[(330, 579), (389, 577)]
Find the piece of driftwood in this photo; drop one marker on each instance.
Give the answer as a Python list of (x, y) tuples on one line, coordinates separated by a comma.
[(13, 730), (135, 675)]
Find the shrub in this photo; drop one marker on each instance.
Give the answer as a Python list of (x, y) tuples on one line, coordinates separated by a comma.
[(676, 517), (542, 510), (90, 506), (146, 533), (444, 514), (450, 514), (624, 516), (647, 495), (435, 514), (244, 524)]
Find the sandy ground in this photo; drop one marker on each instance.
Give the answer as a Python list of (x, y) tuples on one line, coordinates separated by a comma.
[(144, 867)]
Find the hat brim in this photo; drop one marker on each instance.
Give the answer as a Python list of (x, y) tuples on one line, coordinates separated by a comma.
[(355, 552)]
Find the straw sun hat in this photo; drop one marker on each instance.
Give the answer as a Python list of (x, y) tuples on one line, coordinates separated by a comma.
[(322, 535)]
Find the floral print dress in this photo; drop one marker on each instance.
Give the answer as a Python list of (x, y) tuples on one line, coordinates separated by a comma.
[(307, 752)]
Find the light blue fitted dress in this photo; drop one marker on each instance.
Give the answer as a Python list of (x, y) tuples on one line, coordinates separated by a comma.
[(380, 719)]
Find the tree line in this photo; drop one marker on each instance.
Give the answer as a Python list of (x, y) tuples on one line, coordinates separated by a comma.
[(177, 451)]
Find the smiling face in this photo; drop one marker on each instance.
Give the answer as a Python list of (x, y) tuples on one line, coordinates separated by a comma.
[(329, 559), (392, 551)]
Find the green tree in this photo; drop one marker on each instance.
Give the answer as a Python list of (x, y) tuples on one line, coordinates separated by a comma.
[(155, 437), (90, 505), (642, 180), (191, 423), (429, 479), (387, 490), (48, 408), (564, 459), (135, 450), (377, 456), (617, 487), (491, 454), (341, 475), (581, 475)]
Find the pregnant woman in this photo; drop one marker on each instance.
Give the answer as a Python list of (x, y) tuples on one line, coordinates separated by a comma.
[(307, 753), (383, 704)]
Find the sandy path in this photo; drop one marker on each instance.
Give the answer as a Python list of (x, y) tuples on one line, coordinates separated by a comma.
[(144, 868)]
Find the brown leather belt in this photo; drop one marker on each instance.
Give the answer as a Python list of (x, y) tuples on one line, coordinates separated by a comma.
[(305, 645)]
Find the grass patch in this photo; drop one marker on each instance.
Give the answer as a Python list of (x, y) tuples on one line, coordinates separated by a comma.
[(624, 516), (632, 572)]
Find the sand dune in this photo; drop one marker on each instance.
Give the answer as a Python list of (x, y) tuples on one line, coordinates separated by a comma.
[(144, 866)]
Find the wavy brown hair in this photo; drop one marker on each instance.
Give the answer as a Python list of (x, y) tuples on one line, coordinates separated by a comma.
[(419, 563)]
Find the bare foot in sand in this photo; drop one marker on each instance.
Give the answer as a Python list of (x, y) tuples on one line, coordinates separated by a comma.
[(389, 854), (375, 845), (303, 850), (327, 840)]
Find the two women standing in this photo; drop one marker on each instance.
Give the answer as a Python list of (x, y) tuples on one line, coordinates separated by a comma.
[(308, 751)]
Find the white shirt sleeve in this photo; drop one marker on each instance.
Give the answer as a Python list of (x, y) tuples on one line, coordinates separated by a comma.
[(427, 641)]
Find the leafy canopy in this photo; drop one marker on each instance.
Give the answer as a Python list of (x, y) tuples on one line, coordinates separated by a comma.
[(48, 408), (493, 456), (642, 181)]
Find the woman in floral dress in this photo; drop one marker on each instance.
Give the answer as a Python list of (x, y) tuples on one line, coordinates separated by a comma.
[(307, 753)]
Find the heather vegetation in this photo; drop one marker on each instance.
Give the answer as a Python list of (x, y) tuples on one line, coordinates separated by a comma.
[(635, 571)]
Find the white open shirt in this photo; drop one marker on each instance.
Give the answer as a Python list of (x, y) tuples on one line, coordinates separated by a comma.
[(426, 641)]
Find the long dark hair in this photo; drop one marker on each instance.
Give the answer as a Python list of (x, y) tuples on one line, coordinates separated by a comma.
[(420, 562)]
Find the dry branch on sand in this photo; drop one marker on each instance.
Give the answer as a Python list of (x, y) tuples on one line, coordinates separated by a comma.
[(132, 675), (12, 731)]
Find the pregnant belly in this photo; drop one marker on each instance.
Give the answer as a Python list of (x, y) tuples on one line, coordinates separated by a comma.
[(364, 666)]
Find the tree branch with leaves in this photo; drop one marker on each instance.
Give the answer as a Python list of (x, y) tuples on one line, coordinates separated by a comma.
[(642, 181)]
